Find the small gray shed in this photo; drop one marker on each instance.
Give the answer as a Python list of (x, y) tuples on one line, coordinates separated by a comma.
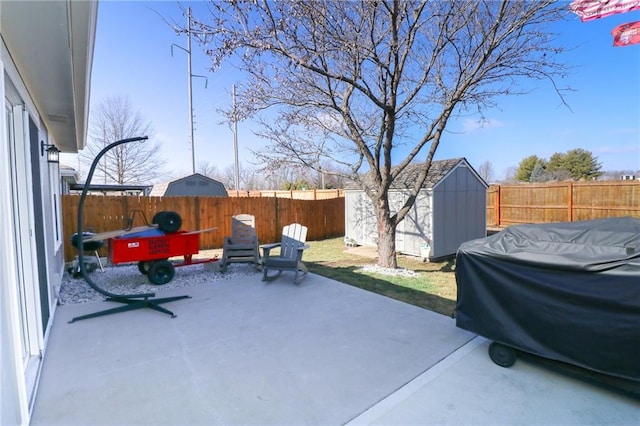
[(192, 185), (449, 210)]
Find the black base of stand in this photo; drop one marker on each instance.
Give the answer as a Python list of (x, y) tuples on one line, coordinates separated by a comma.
[(132, 304)]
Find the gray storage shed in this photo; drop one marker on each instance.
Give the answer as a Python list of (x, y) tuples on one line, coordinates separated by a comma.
[(449, 210), (192, 185)]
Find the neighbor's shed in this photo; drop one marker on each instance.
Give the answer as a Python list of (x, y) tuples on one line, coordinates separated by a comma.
[(449, 210), (192, 185)]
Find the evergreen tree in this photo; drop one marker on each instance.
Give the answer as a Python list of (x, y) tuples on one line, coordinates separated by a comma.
[(526, 167), (580, 164), (538, 174)]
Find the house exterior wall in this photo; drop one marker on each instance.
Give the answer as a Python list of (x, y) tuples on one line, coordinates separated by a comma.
[(13, 403), (31, 259), (21, 299), (31, 262), (459, 211)]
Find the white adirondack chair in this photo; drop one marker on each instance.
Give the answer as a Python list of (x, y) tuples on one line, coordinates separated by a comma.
[(290, 258)]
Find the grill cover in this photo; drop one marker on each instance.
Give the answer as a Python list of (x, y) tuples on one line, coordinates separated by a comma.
[(564, 291)]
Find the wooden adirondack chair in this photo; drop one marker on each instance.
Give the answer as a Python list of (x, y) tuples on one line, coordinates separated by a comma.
[(290, 257), (242, 245)]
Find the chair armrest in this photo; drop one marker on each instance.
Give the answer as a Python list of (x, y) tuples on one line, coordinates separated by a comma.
[(270, 246), (300, 250), (267, 247)]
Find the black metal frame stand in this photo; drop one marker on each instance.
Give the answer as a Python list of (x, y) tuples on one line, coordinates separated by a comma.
[(130, 301), (132, 304)]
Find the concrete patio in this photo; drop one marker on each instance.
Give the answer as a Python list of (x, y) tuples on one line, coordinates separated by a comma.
[(322, 353)]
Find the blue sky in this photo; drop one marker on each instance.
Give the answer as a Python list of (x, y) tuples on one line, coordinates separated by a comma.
[(133, 59)]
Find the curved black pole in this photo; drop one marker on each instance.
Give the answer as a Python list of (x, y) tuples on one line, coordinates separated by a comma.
[(80, 244)]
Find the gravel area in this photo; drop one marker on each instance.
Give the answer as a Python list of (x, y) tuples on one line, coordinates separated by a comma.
[(126, 279), (399, 272)]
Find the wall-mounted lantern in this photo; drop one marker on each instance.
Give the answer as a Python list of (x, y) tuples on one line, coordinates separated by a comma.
[(53, 153)]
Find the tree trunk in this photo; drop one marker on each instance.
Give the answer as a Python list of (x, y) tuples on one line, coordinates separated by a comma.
[(386, 241)]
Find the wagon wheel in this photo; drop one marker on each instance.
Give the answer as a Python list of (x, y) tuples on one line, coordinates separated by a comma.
[(143, 267), (502, 355), (161, 272), (167, 221)]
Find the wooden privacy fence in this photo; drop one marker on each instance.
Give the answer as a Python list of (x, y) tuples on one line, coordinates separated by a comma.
[(561, 202), (311, 194), (324, 218)]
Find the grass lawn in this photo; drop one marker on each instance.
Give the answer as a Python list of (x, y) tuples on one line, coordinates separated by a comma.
[(434, 288)]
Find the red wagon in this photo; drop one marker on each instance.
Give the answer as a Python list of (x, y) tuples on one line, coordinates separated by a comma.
[(152, 250)]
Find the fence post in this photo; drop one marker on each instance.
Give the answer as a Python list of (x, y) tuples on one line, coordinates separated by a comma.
[(277, 216), (196, 211), (497, 206), (570, 202)]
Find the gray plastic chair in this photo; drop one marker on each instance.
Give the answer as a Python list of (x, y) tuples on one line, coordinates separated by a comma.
[(242, 245), (290, 258)]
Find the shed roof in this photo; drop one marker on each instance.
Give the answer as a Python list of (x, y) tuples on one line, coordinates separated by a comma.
[(162, 189), (438, 171), (158, 189)]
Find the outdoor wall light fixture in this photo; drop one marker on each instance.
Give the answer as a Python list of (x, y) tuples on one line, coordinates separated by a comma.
[(53, 153)]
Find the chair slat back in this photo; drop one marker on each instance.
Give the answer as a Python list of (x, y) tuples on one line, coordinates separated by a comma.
[(293, 236), (243, 229)]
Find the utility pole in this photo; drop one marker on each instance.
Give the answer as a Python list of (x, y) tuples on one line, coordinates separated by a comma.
[(190, 76), (236, 177), (193, 148), (104, 164)]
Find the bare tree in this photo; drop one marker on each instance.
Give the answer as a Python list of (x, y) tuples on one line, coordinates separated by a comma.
[(278, 177), (250, 179), (133, 163), (510, 175), (209, 170), (352, 81), (486, 172)]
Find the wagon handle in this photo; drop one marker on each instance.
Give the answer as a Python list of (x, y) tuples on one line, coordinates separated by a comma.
[(132, 217)]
